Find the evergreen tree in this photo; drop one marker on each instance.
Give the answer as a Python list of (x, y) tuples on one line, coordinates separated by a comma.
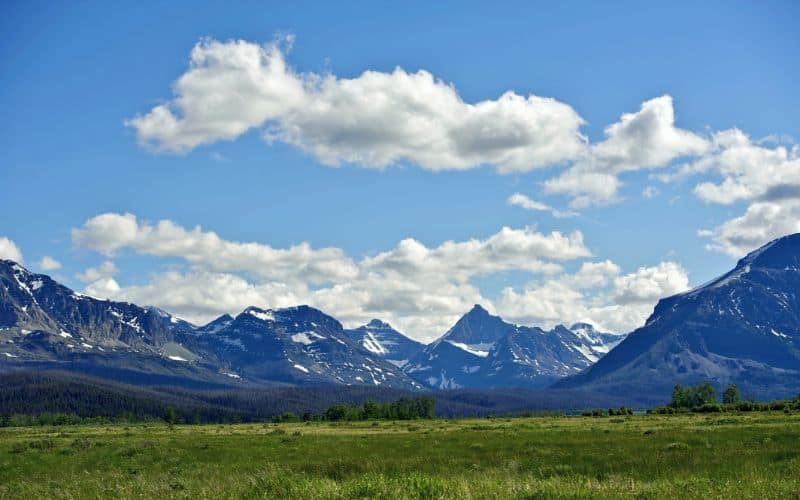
[(731, 395)]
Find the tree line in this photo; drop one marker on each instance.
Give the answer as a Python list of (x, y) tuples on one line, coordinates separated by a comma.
[(702, 398), (405, 408)]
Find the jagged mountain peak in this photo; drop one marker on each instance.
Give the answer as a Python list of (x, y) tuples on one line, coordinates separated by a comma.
[(379, 339), (220, 319), (483, 350), (216, 324), (377, 323), (478, 309), (477, 327), (581, 325)]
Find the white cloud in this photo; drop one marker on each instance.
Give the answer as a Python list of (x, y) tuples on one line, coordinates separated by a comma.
[(766, 177), (650, 192), (520, 249), (198, 296), (749, 171), (645, 139), (9, 250), (520, 200), (108, 233), (648, 284), (103, 272), (597, 294), (49, 264), (761, 223), (419, 288), (642, 140), (376, 119), (585, 187)]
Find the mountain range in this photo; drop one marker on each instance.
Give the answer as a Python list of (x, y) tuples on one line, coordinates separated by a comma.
[(45, 324), (482, 350), (743, 328)]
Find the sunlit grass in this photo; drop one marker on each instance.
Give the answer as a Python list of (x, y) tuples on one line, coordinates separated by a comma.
[(754, 455)]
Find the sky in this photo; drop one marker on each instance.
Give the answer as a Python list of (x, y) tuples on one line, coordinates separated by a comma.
[(554, 163)]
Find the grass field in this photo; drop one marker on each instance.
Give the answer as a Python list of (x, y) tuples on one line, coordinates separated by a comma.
[(732, 456)]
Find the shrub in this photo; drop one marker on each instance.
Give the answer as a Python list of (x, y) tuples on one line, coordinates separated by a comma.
[(708, 408)]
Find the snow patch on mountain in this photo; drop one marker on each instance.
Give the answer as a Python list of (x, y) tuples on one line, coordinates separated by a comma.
[(480, 350), (260, 314)]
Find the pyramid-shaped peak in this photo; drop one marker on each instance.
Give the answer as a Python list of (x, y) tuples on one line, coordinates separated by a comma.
[(478, 309)]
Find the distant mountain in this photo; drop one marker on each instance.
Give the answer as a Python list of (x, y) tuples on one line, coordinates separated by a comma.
[(43, 315), (380, 339), (215, 325), (295, 345), (47, 325), (483, 351), (743, 328)]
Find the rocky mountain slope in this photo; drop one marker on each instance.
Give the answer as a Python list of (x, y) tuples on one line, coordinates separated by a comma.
[(743, 328), (380, 339), (45, 324), (482, 350)]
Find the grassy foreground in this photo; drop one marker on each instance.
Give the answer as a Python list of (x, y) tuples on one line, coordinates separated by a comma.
[(732, 456)]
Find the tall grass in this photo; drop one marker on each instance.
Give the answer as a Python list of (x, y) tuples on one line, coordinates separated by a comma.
[(754, 456)]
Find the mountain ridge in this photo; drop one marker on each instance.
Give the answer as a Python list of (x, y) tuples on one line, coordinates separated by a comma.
[(742, 327), (482, 350)]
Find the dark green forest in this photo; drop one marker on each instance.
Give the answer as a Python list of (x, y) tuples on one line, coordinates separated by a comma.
[(64, 397)]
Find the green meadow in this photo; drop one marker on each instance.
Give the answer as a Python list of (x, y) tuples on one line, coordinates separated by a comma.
[(754, 455)]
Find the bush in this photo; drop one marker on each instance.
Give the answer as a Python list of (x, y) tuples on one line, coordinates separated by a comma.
[(286, 417), (708, 408)]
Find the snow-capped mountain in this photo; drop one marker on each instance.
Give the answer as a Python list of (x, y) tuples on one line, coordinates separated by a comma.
[(42, 321), (482, 350), (215, 325), (47, 324), (743, 328), (296, 345), (37, 311), (600, 342), (380, 339)]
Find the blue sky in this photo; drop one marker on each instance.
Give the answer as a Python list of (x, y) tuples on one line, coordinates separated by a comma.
[(73, 76)]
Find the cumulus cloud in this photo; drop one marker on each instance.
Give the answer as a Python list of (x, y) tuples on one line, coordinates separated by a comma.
[(199, 296), (645, 139), (520, 249), (104, 271), (761, 223), (421, 289), (766, 177), (378, 119), (642, 140), (375, 120), (748, 170), (648, 284), (111, 232), (520, 200), (9, 250), (48, 263), (597, 293)]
